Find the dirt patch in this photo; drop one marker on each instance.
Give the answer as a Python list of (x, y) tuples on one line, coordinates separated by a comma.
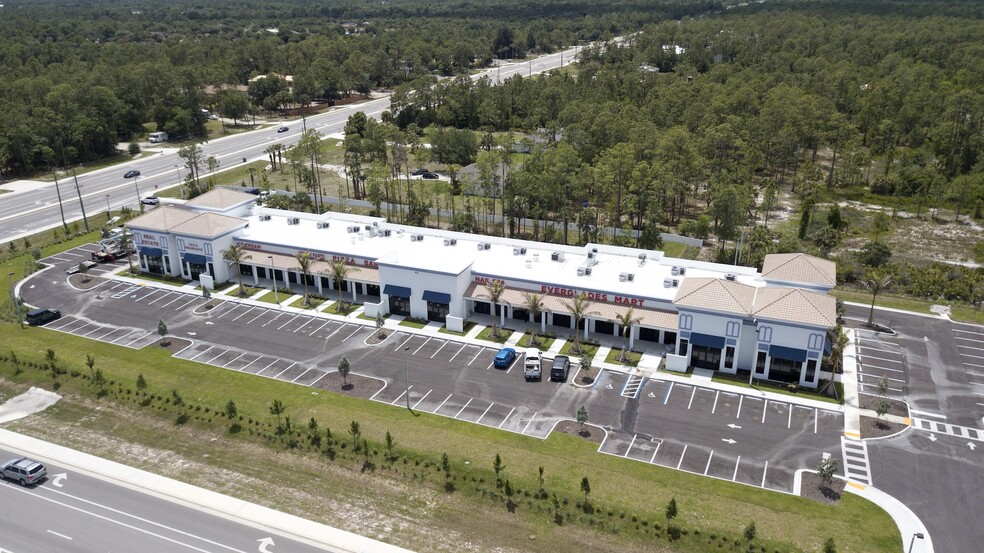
[(174, 345), (895, 407), (590, 432), (85, 282), (813, 488), (871, 427), (355, 385), (586, 376), (378, 337)]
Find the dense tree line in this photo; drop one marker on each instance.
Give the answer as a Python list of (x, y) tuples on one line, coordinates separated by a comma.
[(79, 77)]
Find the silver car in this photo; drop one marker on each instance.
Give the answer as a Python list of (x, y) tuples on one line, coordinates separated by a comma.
[(26, 471)]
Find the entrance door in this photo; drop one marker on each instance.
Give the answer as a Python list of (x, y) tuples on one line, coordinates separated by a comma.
[(437, 312), (562, 320), (605, 327), (706, 358), (399, 305)]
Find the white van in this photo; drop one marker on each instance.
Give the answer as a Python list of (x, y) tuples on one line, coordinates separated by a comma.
[(156, 137)]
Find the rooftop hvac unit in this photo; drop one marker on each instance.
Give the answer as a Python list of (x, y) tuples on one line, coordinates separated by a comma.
[(450, 241), (592, 258), (623, 277), (420, 237), (375, 223), (670, 283), (416, 237), (557, 256), (322, 224), (731, 277), (683, 271), (584, 271), (387, 232), (264, 217), (293, 221), (352, 229), (642, 257), (368, 227), (594, 250), (519, 251)]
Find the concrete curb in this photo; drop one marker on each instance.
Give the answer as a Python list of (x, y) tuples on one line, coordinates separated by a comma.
[(237, 510)]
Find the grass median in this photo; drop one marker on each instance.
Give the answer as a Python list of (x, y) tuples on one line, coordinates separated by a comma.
[(632, 491)]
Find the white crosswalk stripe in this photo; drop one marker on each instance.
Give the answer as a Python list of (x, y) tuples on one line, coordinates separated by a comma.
[(948, 429), (856, 466)]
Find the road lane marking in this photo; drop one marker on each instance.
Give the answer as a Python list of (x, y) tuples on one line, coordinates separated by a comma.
[(422, 399), (463, 407), (507, 417), (682, 453), (709, 459)]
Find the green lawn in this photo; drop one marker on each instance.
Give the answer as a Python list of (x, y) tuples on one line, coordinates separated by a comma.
[(884, 300), (631, 357), (467, 328), (588, 350), (347, 309), (414, 323), (543, 342), (270, 297), (741, 379), (173, 281), (486, 334), (312, 303)]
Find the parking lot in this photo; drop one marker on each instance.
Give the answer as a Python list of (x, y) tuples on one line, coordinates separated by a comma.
[(970, 347), (69, 259), (735, 437), (880, 356)]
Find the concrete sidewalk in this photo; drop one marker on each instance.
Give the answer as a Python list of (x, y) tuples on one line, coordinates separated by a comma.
[(230, 508)]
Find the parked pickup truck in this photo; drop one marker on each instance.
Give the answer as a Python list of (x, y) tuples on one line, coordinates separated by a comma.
[(534, 360), (108, 256)]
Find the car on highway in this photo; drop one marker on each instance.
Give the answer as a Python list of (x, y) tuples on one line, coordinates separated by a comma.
[(504, 358), (429, 175), (26, 471), (419, 171), (76, 268), (151, 200), (560, 368), (131, 174), (38, 317), (283, 128)]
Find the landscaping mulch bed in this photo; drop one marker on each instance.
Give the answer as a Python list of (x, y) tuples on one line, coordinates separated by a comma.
[(871, 427), (895, 407), (174, 345), (208, 306), (811, 489), (83, 283), (590, 432), (358, 386), (378, 337), (586, 375)]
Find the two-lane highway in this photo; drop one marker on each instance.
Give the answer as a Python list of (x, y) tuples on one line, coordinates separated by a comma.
[(28, 212)]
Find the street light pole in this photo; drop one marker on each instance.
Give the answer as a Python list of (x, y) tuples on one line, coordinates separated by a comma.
[(913, 540), (13, 298), (78, 190), (273, 275), (109, 211), (180, 182), (137, 188), (60, 208), (406, 369)]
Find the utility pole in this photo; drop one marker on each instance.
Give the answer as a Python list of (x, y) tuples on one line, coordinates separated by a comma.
[(78, 190), (137, 188), (60, 208)]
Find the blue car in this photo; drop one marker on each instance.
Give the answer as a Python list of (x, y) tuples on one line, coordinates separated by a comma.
[(504, 358)]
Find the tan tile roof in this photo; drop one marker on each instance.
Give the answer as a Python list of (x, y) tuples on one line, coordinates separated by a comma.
[(163, 218), (220, 198), (208, 225), (597, 310), (796, 305), (716, 294), (801, 268)]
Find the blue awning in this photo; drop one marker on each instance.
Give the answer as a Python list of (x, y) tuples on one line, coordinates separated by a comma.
[(437, 297), (194, 259), (151, 252), (398, 291), (706, 340), (790, 354)]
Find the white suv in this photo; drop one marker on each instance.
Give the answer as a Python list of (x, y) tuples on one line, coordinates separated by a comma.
[(23, 470)]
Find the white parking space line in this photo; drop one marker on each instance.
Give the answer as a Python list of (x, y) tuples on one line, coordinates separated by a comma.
[(735, 475), (514, 363), (315, 331), (692, 394), (250, 310), (463, 407), (201, 352), (862, 346), (927, 414), (653, 458), (274, 319), (288, 322), (221, 353), (790, 423), (422, 399), (179, 296), (971, 356), (61, 324), (309, 321), (405, 392), (268, 366), (709, 459), (490, 365), (147, 295), (507, 417), (973, 365), (233, 360), (741, 399), (477, 353), (263, 311), (716, 396), (358, 329), (880, 368), (970, 347), (632, 443), (461, 349), (975, 340), (300, 375), (442, 403), (162, 297), (899, 390), (421, 346), (277, 376), (123, 337), (864, 359), (527, 427), (816, 417), (109, 330), (668, 390), (186, 304), (682, 453), (250, 363), (439, 349), (484, 413), (879, 377), (97, 329), (968, 332), (765, 409), (326, 374), (335, 332), (764, 472), (400, 347)]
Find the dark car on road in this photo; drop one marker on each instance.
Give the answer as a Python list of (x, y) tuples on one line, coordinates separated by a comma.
[(23, 470), (283, 128), (504, 358), (429, 175), (131, 174), (419, 171), (38, 317), (561, 366)]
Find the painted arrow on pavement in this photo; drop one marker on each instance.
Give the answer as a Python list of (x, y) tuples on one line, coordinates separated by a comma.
[(932, 437), (734, 426), (729, 440), (265, 543), (971, 446), (57, 479)]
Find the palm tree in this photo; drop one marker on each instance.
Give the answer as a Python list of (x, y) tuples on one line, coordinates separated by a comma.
[(627, 320), (877, 284), (339, 272), (578, 306), (236, 253), (838, 347), (305, 260), (534, 304), (496, 289)]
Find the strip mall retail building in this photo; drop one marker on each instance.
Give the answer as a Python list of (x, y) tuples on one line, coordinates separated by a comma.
[(714, 316)]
